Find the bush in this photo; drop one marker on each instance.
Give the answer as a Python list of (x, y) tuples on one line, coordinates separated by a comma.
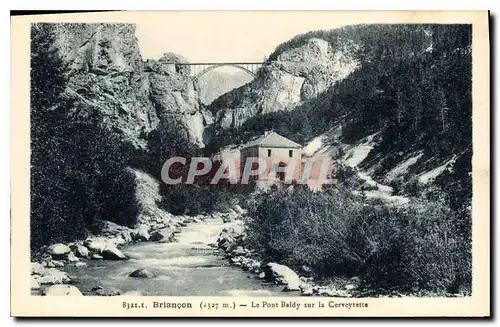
[(78, 178), (416, 247)]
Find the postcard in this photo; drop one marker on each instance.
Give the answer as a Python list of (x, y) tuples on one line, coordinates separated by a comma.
[(250, 164)]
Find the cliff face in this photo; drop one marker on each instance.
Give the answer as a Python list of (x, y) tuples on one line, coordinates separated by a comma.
[(107, 76), (299, 74), (173, 94)]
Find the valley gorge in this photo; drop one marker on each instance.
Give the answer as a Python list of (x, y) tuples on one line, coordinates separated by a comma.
[(108, 119)]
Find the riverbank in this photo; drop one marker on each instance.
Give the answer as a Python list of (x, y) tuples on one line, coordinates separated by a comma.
[(187, 266), (231, 243), (55, 261)]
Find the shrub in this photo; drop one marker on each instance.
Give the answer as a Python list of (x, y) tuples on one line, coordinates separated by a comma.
[(336, 233), (78, 179)]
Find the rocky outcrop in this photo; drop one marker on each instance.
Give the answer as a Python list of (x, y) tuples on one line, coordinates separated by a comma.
[(107, 78), (105, 74), (174, 95), (298, 75)]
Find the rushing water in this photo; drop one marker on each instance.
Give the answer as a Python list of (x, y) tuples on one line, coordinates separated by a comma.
[(188, 267)]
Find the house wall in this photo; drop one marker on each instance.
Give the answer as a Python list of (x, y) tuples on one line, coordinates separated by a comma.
[(280, 155)]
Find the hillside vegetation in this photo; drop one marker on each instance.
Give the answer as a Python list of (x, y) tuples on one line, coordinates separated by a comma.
[(411, 95), (412, 88)]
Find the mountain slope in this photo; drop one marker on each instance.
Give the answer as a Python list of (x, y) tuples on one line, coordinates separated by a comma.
[(410, 85)]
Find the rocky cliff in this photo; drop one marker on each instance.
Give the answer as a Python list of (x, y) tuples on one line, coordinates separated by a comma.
[(107, 76), (297, 75), (405, 87)]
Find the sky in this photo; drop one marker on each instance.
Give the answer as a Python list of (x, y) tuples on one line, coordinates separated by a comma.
[(224, 36)]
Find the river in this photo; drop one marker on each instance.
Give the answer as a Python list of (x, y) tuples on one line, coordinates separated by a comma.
[(187, 267)]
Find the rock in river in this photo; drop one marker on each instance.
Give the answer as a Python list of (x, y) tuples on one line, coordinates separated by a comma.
[(112, 253), (143, 273), (96, 244), (140, 234), (162, 234), (80, 251)]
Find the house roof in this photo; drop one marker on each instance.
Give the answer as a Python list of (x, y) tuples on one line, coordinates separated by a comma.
[(272, 139)]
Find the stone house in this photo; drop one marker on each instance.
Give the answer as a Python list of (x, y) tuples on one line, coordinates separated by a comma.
[(276, 151)]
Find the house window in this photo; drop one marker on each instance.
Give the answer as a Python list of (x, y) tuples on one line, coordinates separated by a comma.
[(269, 152), (290, 153)]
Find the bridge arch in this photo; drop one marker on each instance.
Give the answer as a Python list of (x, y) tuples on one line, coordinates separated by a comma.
[(215, 66)]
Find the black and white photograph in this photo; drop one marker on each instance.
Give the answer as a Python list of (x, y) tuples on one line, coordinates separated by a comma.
[(323, 160)]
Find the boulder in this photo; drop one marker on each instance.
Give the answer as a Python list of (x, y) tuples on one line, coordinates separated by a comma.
[(80, 251), (188, 220), (54, 276), (140, 234), (37, 268), (61, 290), (96, 245), (161, 234), (143, 273), (50, 264), (282, 275), (112, 253), (35, 284), (235, 260), (118, 241), (58, 250), (369, 187), (96, 256), (251, 265)]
